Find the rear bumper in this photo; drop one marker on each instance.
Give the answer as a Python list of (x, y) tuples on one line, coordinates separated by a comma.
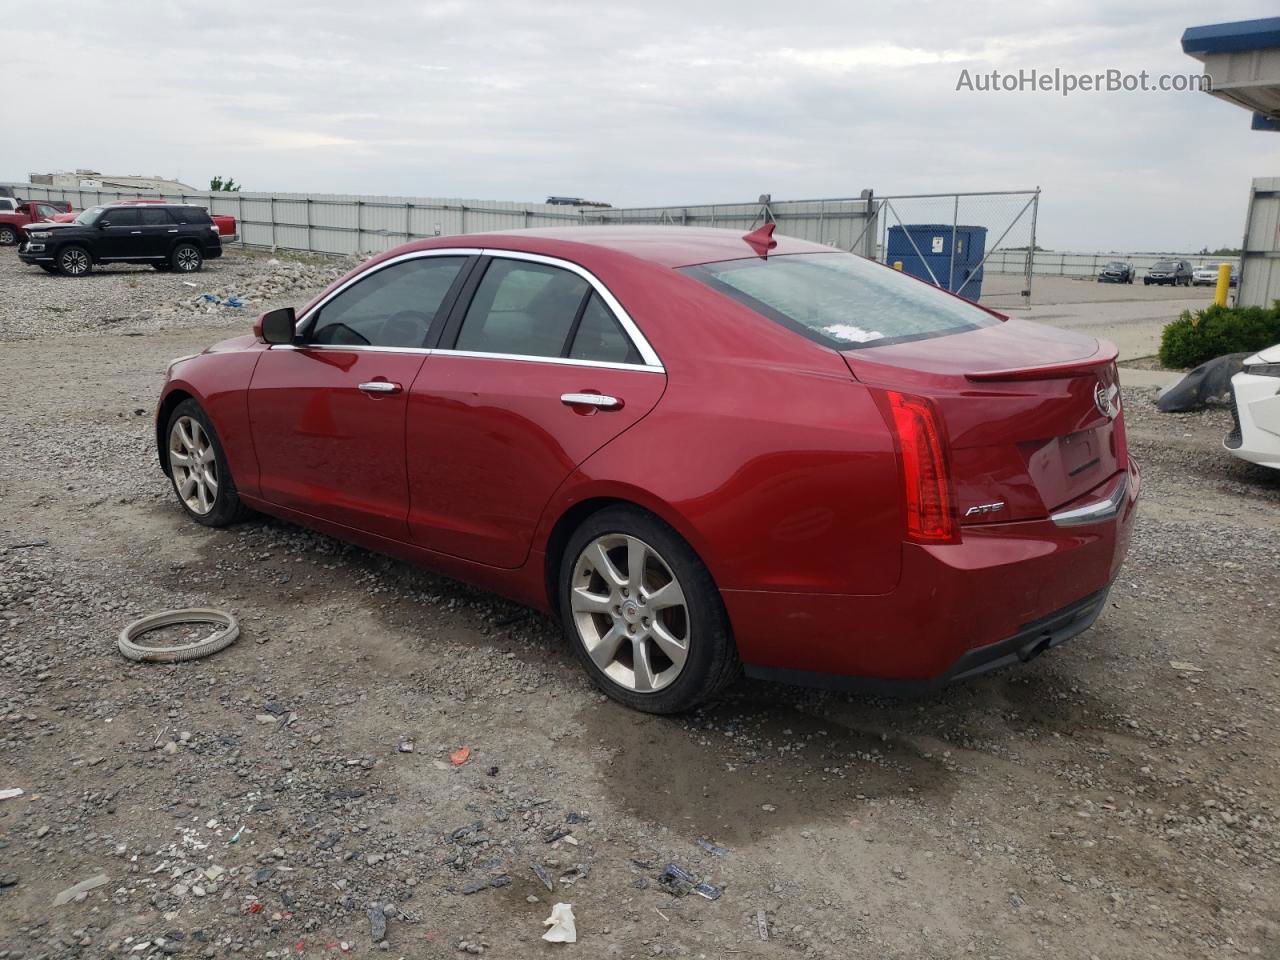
[(1006, 593), (213, 253)]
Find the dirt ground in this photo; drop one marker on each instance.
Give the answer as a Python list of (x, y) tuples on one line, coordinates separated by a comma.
[(1117, 798)]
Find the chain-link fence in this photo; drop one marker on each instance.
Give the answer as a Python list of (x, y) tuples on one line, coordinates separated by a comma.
[(979, 245)]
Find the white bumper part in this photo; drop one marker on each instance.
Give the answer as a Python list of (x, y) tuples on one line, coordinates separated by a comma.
[(1257, 402)]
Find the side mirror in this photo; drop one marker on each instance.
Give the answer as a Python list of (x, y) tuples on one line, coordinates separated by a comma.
[(102, 223), (276, 326)]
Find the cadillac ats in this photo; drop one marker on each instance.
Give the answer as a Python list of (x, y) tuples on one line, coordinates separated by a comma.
[(703, 453)]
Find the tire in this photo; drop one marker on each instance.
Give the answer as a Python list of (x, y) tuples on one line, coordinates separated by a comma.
[(178, 653), (8, 235), (696, 618), (74, 261), (186, 258), (212, 499)]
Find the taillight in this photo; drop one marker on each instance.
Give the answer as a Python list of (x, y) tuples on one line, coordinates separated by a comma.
[(930, 508)]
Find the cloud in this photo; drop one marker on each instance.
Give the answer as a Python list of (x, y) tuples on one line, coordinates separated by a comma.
[(665, 102)]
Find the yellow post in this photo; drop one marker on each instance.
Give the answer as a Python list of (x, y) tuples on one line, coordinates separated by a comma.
[(1224, 284), (897, 264)]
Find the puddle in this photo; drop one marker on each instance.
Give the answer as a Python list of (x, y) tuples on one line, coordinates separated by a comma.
[(717, 774)]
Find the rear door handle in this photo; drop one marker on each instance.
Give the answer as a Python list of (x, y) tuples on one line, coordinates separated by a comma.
[(135, 231), (174, 230), (380, 387), (591, 400)]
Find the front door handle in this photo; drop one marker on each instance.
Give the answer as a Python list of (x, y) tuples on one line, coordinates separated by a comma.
[(591, 400), (135, 231), (380, 387)]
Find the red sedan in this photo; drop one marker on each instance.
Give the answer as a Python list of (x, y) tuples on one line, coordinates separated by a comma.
[(702, 452)]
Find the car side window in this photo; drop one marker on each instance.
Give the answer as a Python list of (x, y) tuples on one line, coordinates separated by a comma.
[(122, 217), (391, 307), (155, 217), (522, 308), (600, 337)]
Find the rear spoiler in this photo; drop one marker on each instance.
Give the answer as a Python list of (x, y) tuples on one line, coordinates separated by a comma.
[(1106, 353)]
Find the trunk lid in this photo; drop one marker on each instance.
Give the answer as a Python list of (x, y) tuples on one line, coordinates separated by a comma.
[(1031, 413)]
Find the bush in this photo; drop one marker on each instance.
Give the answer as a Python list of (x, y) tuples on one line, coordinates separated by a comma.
[(1195, 338)]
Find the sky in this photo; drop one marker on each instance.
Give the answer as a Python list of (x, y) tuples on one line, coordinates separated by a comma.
[(661, 102)]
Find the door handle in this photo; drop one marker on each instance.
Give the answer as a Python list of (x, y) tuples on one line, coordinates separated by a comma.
[(174, 230), (135, 231), (380, 387), (591, 400)]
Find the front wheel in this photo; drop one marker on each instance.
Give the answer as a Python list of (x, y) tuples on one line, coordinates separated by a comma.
[(8, 235), (74, 261), (643, 614), (198, 468), (187, 258)]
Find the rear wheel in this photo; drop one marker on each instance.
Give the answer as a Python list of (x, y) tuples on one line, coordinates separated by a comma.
[(74, 261), (187, 258), (198, 468), (8, 235), (643, 614)]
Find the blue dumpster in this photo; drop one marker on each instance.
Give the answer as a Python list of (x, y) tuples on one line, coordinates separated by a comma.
[(932, 246)]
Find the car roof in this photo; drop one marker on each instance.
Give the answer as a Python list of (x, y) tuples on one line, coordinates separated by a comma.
[(666, 246)]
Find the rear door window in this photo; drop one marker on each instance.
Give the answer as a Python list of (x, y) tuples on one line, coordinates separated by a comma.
[(600, 337), (842, 300), (523, 308), (155, 217)]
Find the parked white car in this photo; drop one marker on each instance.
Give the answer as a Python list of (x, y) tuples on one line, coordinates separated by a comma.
[(1255, 406), (1205, 273)]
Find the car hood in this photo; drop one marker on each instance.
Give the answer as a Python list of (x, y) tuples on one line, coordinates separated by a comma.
[(42, 224), (244, 342)]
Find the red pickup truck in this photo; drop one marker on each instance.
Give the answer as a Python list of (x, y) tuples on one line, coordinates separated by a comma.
[(23, 213), (225, 222)]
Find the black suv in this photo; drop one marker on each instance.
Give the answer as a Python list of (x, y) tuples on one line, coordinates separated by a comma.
[(168, 236), (1176, 273)]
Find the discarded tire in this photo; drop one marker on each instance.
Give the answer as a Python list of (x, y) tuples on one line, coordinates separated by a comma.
[(224, 637)]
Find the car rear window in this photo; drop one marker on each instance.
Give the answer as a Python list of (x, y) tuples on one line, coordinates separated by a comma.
[(842, 300)]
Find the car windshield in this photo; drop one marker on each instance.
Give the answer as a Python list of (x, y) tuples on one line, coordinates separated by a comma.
[(1115, 265), (1162, 265), (842, 300), (1208, 266), (87, 217)]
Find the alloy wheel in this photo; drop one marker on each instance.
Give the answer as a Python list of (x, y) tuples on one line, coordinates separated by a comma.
[(188, 259), (194, 465), (630, 612), (75, 262)]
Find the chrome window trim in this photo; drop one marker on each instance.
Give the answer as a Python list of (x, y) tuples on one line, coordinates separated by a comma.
[(1094, 512), (425, 351), (562, 361), (651, 362)]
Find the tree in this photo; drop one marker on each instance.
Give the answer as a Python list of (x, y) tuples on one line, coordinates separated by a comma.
[(217, 183)]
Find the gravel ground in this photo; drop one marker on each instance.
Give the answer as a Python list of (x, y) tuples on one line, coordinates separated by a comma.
[(294, 795)]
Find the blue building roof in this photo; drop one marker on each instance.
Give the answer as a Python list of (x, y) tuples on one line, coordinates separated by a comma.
[(1229, 37)]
